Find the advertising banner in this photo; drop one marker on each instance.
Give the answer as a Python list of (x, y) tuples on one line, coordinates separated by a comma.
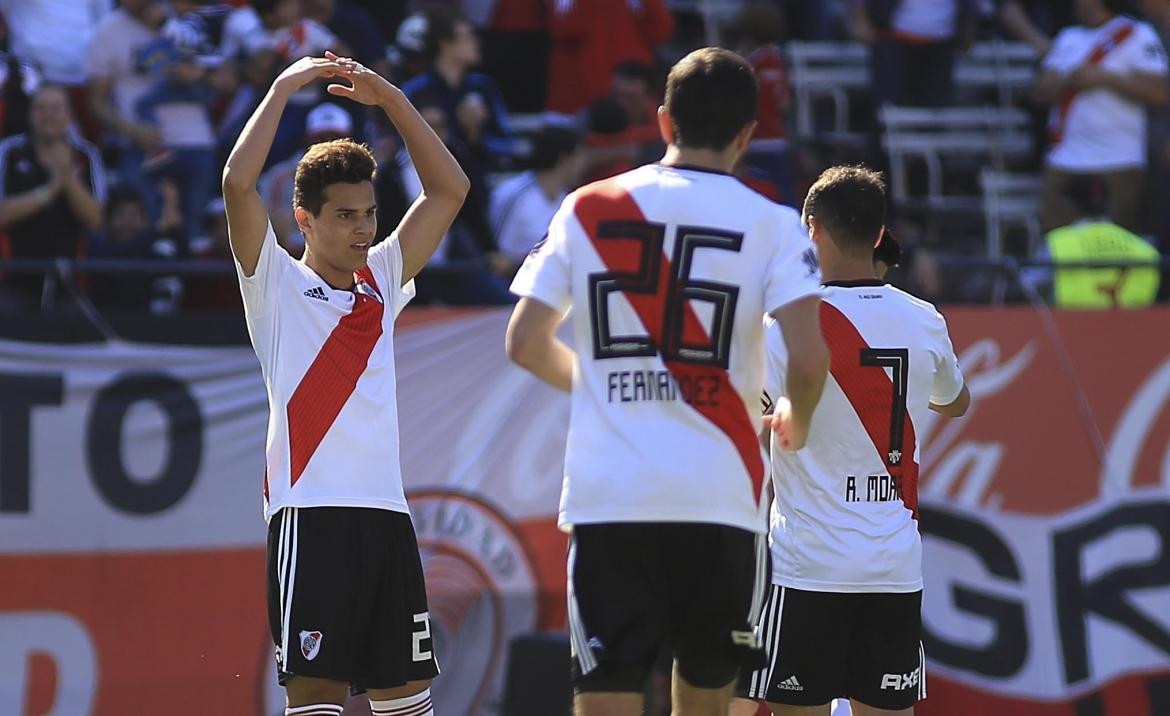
[(132, 539)]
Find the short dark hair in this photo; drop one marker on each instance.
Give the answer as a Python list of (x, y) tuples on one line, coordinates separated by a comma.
[(553, 143), (710, 97), (121, 194), (850, 203), (441, 23), (340, 161), (635, 70)]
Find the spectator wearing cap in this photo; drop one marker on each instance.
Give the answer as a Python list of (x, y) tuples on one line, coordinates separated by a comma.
[(1100, 78), (52, 186), (590, 38), (409, 51), (913, 47), (54, 35), (523, 206), (473, 105), (324, 122)]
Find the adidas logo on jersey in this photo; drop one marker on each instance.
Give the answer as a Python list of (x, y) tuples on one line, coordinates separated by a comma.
[(790, 684), (318, 293)]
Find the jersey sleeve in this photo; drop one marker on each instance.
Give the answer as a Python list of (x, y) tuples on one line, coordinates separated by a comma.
[(794, 271), (545, 275), (1148, 54), (385, 260), (948, 376), (1060, 55), (261, 289)]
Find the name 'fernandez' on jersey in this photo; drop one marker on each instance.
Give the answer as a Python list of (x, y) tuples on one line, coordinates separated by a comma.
[(667, 293)]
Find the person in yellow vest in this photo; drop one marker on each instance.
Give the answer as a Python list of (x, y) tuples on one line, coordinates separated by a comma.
[(1094, 238)]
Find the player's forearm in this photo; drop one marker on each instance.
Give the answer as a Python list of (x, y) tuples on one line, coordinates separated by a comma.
[(84, 204), (438, 172), (1143, 89), (805, 381), (246, 161)]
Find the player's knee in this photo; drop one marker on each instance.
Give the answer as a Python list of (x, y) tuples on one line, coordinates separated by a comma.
[(410, 688)]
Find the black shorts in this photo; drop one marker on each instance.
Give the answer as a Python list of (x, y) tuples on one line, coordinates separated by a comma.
[(346, 597), (827, 645), (637, 587)]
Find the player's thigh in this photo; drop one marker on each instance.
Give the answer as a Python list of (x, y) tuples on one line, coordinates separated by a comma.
[(718, 581), (607, 704), (410, 688), (305, 690), (616, 615), (887, 666), (808, 647), (400, 655), (789, 710), (741, 706), (690, 700)]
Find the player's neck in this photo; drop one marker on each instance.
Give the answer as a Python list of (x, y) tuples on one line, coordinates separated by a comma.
[(845, 268), (720, 161), (336, 278)]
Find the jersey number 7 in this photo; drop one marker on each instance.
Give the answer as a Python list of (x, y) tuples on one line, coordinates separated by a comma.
[(899, 360), (673, 304)]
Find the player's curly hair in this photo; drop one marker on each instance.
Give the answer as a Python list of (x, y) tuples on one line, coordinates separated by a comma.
[(340, 161), (850, 203)]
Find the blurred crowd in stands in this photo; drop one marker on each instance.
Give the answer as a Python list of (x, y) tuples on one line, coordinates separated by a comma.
[(116, 118)]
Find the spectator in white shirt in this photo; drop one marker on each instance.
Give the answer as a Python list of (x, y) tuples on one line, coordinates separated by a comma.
[(1100, 78), (522, 206)]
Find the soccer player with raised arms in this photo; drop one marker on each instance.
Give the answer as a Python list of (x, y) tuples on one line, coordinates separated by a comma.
[(842, 619), (668, 269), (346, 599)]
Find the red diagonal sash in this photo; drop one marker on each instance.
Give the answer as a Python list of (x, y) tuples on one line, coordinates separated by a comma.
[(607, 201), (1106, 45), (870, 392), (332, 377)]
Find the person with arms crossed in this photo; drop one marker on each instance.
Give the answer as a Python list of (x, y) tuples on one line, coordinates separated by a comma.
[(346, 599), (669, 268), (842, 619)]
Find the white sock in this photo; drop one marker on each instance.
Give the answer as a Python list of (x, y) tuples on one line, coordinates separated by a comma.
[(315, 710), (417, 705)]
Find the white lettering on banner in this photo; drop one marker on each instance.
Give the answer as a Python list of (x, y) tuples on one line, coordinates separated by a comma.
[(1011, 596), (64, 640), (1132, 431)]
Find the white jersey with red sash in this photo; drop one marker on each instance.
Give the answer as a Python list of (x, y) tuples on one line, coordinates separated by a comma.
[(327, 357), (845, 516), (668, 271), (1099, 129)]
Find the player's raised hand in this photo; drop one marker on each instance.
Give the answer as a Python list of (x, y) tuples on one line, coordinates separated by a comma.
[(789, 436), (365, 85), (305, 70)]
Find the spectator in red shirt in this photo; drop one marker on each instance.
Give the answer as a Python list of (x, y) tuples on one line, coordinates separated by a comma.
[(622, 128), (760, 28), (590, 38)]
